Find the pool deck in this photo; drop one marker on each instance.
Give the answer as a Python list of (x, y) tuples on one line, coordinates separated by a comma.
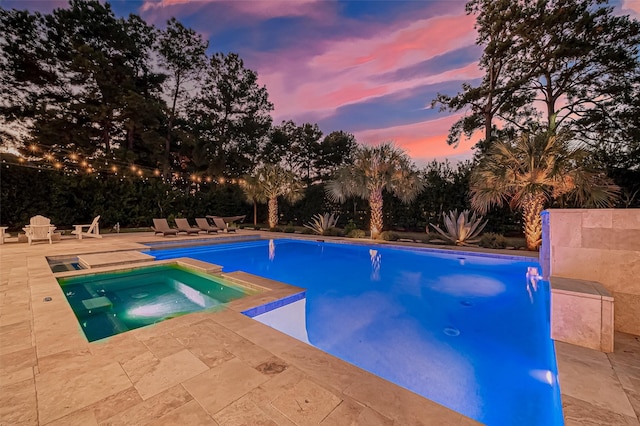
[(224, 368)]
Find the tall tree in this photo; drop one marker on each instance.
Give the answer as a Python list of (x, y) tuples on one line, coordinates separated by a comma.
[(574, 58), (533, 170), (79, 73), (183, 56), (375, 170), (337, 149), (231, 116)]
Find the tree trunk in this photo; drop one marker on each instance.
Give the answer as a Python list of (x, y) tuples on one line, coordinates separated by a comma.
[(255, 213), (273, 212), (532, 221), (375, 203)]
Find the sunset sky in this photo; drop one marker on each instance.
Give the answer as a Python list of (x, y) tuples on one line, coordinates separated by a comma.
[(366, 67)]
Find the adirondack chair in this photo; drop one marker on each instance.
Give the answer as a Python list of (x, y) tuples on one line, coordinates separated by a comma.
[(39, 228), (92, 231)]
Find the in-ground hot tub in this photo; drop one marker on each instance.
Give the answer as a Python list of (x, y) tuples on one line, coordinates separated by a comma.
[(111, 303)]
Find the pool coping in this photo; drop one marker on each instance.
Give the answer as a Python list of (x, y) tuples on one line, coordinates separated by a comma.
[(46, 338)]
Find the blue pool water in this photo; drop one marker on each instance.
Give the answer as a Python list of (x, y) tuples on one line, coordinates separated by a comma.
[(110, 303), (468, 331)]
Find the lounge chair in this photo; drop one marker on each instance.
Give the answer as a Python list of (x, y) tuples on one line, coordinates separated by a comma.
[(183, 226), (203, 224), (161, 226), (39, 228), (221, 224), (92, 231)]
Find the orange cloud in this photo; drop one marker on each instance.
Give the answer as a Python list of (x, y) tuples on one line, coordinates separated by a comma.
[(423, 141)]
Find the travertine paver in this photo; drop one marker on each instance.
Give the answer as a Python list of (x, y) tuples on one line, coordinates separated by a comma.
[(61, 394), (223, 384), (217, 368), (306, 403)]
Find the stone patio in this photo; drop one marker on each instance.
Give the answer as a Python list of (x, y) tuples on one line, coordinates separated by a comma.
[(224, 368)]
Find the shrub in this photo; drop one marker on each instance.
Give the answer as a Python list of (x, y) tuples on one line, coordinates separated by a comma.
[(461, 229), (307, 231), (356, 233), (389, 236), (333, 232), (321, 223), (289, 229), (256, 228), (275, 230), (493, 240), (349, 227)]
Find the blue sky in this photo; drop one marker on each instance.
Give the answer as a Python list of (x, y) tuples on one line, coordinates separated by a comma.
[(367, 67)]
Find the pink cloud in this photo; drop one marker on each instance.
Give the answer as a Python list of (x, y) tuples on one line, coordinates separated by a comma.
[(402, 47), (631, 7), (163, 9), (350, 67), (423, 141)]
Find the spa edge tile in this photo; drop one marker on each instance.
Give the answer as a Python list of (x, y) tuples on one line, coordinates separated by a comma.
[(351, 412), (190, 413), (307, 402), (18, 403), (80, 390), (243, 412), (221, 385), (578, 412), (157, 375)]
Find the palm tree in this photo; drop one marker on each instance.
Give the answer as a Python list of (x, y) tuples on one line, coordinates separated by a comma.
[(533, 170), (251, 189), (270, 182), (374, 170)]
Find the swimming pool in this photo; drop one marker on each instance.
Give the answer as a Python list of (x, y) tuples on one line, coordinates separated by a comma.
[(110, 303), (468, 331)]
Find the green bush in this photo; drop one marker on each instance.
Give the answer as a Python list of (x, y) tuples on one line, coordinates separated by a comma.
[(333, 232), (493, 241), (275, 229), (389, 236), (356, 233), (289, 229), (349, 227), (307, 231), (256, 228)]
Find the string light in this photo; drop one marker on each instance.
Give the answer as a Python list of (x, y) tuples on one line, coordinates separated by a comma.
[(68, 161)]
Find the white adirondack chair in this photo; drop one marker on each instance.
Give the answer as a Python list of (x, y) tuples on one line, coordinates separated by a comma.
[(39, 228), (92, 231)]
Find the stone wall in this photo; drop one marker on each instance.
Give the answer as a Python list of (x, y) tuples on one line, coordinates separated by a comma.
[(598, 245)]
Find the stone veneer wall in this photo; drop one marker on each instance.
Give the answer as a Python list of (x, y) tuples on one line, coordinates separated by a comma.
[(598, 245)]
